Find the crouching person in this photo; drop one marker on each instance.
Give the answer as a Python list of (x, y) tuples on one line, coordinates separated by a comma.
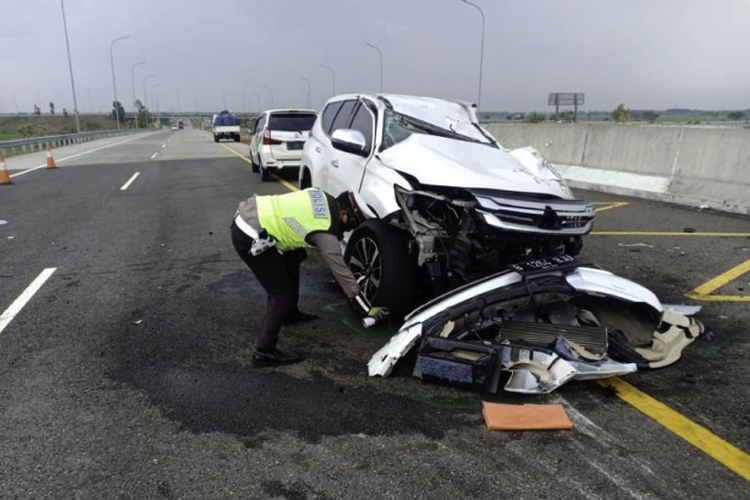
[(270, 234)]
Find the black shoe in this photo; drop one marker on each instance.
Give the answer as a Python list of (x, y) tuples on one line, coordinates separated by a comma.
[(275, 357), (301, 317)]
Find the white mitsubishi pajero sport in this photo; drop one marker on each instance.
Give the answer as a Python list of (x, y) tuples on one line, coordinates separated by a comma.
[(453, 205)]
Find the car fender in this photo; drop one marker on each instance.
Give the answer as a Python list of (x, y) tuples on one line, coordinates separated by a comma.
[(378, 187)]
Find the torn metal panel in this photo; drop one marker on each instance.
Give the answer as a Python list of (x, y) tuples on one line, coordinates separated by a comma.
[(543, 329), (603, 283), (383, 361)]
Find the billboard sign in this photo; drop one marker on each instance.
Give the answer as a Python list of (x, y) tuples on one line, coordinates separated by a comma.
[(566, 99)]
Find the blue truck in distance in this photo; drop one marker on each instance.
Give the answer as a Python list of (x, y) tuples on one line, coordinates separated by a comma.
[(226, 126)]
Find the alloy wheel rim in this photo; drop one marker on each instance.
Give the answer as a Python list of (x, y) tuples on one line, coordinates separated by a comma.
[(366, 266)]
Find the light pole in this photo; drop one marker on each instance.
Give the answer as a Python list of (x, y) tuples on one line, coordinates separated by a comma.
[(481, 53), (309, 91), (132, 83), (151, 93), (70, 67), (381, 64), (145, 94), (114, 84), (270, 94), (257, 98), (333, 76)]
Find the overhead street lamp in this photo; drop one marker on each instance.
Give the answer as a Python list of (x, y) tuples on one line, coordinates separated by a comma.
[(309, 91), (333, 75), (151, 93), (132, 77), (145, 94), (481, 52), (270, 94), (70, 67), (257, 97), (114, 84), (381, 64), (132, 83)]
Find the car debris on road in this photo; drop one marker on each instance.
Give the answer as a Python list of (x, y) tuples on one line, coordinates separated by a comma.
[(543, 323)]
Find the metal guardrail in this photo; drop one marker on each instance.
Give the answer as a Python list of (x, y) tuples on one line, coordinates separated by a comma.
[(32, 144)]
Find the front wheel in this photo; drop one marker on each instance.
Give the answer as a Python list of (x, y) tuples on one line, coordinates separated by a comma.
[(305, 181), (378, 256)]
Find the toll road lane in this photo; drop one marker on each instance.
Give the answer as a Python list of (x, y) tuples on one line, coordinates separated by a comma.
[(131, 366)]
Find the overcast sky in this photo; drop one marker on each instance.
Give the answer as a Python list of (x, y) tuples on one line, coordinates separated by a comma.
[(221, 53)]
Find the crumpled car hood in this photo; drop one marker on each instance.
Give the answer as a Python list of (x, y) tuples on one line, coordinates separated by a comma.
[(441, 161)]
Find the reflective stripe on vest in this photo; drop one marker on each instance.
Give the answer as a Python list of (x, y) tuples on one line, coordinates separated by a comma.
[(291, 217)]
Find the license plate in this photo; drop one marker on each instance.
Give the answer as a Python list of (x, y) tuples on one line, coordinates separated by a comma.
[(294, 145), (542, 265)]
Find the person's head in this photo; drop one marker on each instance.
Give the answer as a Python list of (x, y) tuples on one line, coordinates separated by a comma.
[(353, 210)]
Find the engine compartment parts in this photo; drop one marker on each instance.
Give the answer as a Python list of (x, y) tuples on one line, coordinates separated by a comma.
[(504, 417), (534, 331)]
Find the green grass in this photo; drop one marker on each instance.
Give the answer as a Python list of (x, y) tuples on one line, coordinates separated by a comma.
[(10, 137)]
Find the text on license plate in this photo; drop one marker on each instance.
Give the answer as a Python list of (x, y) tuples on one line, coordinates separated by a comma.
[(547, 264)]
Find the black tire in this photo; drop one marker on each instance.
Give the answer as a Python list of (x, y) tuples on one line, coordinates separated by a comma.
[(378, 255), (305, 181), (237, 138), (216, 138), (265, 175), (254, 164)]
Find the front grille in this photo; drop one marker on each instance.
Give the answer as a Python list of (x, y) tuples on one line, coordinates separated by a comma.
[(524, 213)]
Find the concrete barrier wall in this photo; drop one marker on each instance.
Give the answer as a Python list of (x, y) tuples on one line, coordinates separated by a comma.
[(687, 165)]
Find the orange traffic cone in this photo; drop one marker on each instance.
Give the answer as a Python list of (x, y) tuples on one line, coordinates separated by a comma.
[(50, 159), (4, 176)]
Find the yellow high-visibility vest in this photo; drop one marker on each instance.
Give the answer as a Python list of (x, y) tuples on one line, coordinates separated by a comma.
[(291, 217)]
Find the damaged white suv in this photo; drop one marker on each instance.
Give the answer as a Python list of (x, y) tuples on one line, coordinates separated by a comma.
[(453, 204)]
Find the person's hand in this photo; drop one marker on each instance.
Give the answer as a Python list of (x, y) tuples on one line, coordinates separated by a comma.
[(376, 316)]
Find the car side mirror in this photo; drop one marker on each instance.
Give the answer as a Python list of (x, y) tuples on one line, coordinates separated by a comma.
[(350, 141)]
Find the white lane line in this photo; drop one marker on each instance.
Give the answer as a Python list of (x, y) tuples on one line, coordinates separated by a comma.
[(44, 165), (164, 145), (127, 184), (154, 155), (26, 296)]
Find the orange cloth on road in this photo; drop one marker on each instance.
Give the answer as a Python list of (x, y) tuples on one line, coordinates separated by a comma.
[(502, 417)]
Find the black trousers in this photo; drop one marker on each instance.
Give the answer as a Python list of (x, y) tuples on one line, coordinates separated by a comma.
[(278, 274)]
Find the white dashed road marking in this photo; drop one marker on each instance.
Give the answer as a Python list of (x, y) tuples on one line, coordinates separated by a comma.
[(127, 184), (26, 296)]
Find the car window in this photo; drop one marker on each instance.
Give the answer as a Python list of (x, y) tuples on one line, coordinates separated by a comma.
[(344, 116), (329, 114), (291, 122), (363, 122), (396, 129), (259, 125)]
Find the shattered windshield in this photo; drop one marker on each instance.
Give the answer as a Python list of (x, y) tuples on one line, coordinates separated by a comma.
[(398, 127)]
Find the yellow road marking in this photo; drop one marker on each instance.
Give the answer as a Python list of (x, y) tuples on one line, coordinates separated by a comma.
[(609, 204), (283, 182), (704, 291), (649, 233), (700, 437)]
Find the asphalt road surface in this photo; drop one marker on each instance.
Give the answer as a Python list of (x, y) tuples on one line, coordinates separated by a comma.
[(126, 374)]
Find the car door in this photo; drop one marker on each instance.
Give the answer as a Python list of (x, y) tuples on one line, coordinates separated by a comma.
[(349, 168), (327, 170), (257, 136)]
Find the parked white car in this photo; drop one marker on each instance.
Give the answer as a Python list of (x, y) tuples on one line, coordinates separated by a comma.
[(453, 204), (278, 139)]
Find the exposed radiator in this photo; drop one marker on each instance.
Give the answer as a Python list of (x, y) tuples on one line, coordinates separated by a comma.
[(590, 337)]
